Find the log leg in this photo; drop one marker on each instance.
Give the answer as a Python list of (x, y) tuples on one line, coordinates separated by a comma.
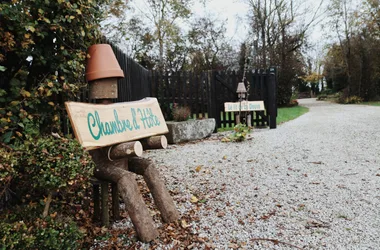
[(116, 171), (115, 202), (136, 208), (161, 196)]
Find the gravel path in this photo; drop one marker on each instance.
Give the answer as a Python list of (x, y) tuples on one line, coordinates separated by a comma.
[(313, 183)]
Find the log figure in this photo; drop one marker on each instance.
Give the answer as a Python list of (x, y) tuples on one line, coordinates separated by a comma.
[(118, 164), (112, 163)]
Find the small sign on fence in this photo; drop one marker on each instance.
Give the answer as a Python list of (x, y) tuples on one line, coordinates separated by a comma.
[(244, 106), (99, 125)]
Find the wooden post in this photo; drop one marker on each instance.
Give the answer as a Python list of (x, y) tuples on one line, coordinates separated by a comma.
[(237, 119), (272, 105), (115, 202), (105, 207), (249, 119), (212, 100), (96, 200)]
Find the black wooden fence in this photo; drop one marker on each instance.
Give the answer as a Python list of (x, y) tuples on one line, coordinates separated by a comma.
[(205, 93)]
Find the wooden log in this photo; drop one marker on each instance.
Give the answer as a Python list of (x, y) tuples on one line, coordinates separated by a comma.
[(115, 202), (105, 206), (95, 194), (122, 150), (117, 171), (155, 142), (161, 196)]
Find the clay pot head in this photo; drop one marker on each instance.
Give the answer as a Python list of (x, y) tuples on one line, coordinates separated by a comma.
[(102, 63)]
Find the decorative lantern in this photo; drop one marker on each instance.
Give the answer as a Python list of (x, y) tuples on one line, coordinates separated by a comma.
[(241, 90), (102, 72)]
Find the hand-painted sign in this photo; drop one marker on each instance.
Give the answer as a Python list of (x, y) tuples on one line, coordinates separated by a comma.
[(244, 106), (99, 125)]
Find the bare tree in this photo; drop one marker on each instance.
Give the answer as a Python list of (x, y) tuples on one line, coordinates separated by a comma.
[(279, 32)]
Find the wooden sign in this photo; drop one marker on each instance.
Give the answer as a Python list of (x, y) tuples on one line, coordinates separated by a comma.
[(245, 106), (99, 125)]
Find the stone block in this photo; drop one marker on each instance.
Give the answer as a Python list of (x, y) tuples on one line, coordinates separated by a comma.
[(189, 130)]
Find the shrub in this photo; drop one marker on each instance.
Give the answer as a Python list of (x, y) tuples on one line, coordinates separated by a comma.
[(42, 61), (33, 172), (239, 134), (353, 100), (181, 113), (293, 103), (8, 160), (345, 98), (49, 165), (321, 97), (327, 92), (61, 233)]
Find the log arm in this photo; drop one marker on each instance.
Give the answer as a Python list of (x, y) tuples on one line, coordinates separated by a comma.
[(117, 171), (161, 196)]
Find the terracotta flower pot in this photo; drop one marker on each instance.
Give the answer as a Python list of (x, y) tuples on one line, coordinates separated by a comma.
[(102, 63)]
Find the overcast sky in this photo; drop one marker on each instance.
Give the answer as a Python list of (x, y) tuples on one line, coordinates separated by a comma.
[(233, 11)]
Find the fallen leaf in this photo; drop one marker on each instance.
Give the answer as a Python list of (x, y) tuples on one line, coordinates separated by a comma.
[(194, 199), (221, 214), (233, 246), (225, 139), (103, 229), (184, 224)]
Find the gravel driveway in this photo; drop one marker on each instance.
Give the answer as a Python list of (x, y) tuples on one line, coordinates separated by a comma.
[(312, 183)]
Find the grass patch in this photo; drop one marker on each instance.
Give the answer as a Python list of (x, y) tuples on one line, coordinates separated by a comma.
[(371, 103), (287, 114), (225, 129)]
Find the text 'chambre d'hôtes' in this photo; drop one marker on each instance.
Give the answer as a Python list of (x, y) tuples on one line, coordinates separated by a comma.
[(140, 118)]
